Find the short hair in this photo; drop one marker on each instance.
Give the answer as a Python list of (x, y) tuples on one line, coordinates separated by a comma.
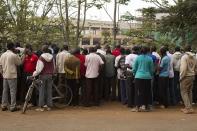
[(144, 49), (92, 49), (98, 46), (76, 50), (153, 48), (118, 46), (45, 48), (18, 44), (163, 50), (108, 51), (85, 51), (28, 46), (188, 48), (10, 46), (135, 49), (177, 48), (65, 47)]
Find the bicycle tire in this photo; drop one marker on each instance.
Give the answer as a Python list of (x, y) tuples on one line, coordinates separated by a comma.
[(24, 107), (27, 99), (68, 96), (65, 98)]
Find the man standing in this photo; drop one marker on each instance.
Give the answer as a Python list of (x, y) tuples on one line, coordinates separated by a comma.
[(188, 68), (45, 68), (110, 79), (176, 60), (93, 62), (9, 62), (60, 59), (29, 66), (72, 73)]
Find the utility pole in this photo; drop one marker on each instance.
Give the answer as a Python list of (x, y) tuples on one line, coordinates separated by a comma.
[(78, 23), (114, 23)]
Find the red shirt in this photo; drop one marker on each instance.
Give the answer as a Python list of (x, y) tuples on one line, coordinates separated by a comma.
[(116, 52), (82, 62), (29, 65)]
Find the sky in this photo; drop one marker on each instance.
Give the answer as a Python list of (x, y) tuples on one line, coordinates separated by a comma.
[(96, 14)]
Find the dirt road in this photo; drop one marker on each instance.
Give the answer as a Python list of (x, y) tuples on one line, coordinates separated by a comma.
[(108, 117)]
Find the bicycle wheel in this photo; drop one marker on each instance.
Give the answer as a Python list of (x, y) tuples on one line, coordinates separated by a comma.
[(63, 97), (27, 98), (68, 96)]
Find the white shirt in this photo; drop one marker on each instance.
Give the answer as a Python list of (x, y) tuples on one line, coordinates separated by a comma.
[(93, 62), (130, 59), (119, 71), (102, 52), (60, 59), (157, 55), (171, 70)]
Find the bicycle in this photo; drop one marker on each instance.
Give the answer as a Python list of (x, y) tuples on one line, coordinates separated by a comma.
[(36, 83)]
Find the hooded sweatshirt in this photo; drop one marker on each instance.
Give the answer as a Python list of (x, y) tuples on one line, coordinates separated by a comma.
[(188, 65), (45, 65), (176, 60)]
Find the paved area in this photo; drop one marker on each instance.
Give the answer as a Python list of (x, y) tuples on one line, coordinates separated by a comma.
[(108, 117)]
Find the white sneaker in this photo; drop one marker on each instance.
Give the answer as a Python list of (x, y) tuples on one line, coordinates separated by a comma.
[(40, 109)]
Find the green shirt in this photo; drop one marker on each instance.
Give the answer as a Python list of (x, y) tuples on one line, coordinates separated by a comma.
[(109, 65), (143, 67)]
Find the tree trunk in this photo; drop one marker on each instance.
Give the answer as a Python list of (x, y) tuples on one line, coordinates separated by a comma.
[(67, 23), (114, 23)]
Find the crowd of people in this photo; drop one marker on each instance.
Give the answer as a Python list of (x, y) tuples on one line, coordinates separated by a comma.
[(140, 77)]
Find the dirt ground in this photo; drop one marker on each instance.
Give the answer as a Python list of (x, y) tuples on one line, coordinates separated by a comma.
[(108, 117)]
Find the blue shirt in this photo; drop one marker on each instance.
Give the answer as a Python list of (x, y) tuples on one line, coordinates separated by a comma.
[(165, 67), (143, 67)]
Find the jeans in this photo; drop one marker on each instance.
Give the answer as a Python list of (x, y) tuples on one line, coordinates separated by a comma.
[(9, 84), (123, 91), (45, 91), (186, 91)]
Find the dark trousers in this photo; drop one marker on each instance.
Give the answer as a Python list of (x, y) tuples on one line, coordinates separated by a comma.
[(92, 92), (1, 87), (195, 90), (101, 85), (25, 87), (163, 90), (119, 90), (156, 88), (142, 92), (172, 99), (74, 85), (110, 88), (83, 89), (130, 91), (177, 87), (123, 84)]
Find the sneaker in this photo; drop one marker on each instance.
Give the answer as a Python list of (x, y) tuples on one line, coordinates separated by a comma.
[(162, 107), (4, 108), (40, 109), (135, 109), (185, 111), (48, 109)]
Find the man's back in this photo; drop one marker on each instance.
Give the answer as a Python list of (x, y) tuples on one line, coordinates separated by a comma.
[(109, 65), (92, 62), (60, 59), (9, 62)]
